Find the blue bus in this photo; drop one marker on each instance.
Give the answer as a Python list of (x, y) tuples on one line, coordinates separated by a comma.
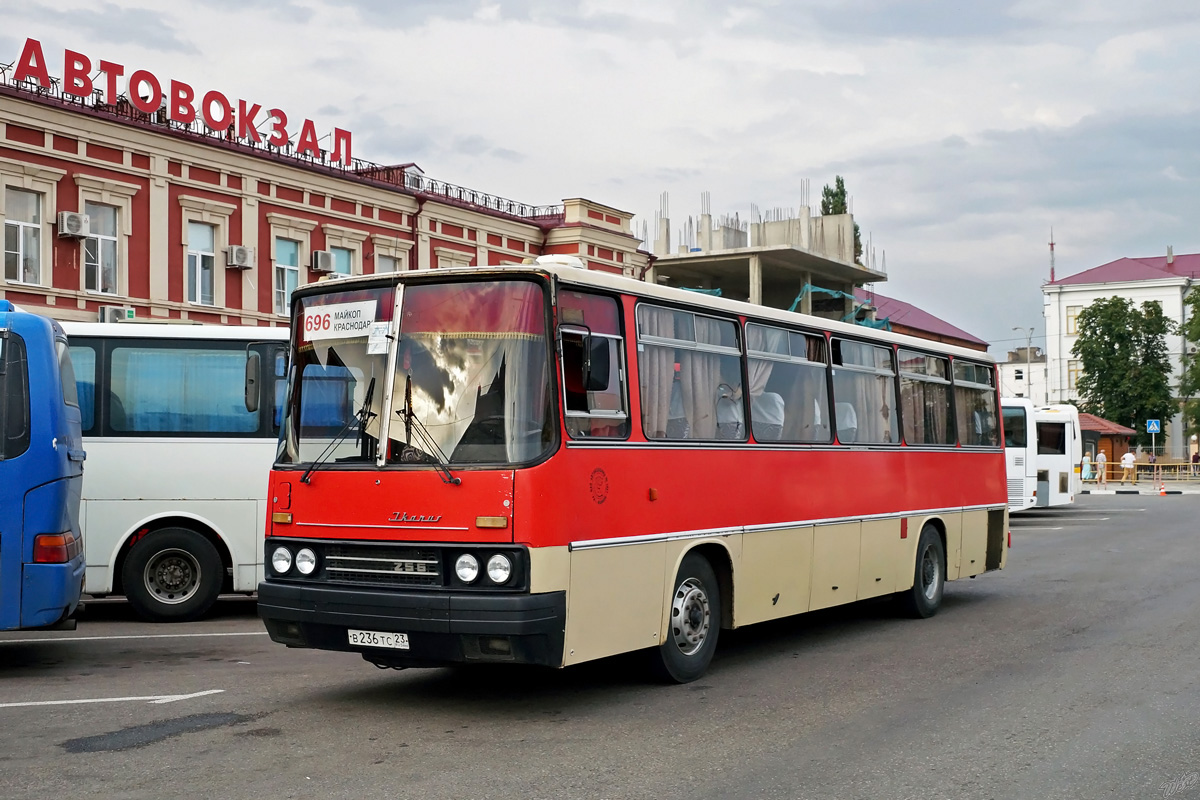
[(41, 475)]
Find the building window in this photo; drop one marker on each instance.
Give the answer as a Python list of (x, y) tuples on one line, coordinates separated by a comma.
[(1073, 373), (1073, 319), (386, 264), (343, 259), (201, 262), (100, 249), (22, 236), (287, 272)]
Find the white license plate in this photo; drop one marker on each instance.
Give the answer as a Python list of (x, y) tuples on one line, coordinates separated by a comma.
[(396, 641)]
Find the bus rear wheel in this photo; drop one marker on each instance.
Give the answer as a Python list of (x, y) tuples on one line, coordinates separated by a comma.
[(695, 621), (929, 579), (172, 575)]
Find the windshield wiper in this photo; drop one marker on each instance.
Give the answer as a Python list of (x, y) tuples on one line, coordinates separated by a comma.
[(362, 416), (428, 446)]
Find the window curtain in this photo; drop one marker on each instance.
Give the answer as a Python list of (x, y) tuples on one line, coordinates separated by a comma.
[(657, 371), (700, 374)]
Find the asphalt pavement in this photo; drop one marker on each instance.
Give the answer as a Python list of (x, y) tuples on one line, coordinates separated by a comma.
[(1070, 674)]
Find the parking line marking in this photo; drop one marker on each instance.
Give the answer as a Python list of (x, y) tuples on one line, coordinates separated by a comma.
[(154, 698), (138, 636), (1022, 528)]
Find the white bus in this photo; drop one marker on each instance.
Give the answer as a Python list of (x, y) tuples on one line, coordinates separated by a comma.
[(1059, 455), (1020, 452), (1043, 450), (175, 487)]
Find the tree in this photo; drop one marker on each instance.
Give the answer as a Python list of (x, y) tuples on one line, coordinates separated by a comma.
[(1124, 363), (1189, 381), (833, 201)]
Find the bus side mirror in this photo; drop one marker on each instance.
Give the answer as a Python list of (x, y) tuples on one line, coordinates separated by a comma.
[(596, 363), (253, 368)]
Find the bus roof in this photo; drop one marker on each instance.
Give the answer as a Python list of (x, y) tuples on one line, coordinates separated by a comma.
[(151, 330), (619, 283)]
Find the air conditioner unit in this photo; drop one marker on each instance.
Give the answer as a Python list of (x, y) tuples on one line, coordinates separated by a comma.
[(73, 225), (239, 256), (322, 261), (116, 313)]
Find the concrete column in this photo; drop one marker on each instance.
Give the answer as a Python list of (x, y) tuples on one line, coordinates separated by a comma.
[(756, 279), (806, 303)]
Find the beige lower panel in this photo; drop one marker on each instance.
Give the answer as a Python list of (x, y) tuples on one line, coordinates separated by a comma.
[(775, 576), (974, 543), (906, 558), (880, 552), (616, 600), (549, 569), (953, 523), (836, 550)]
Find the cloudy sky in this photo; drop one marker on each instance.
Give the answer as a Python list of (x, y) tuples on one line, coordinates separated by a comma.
[(964, 131)]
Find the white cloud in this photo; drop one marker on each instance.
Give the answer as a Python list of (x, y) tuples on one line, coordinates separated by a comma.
[(963, 132)]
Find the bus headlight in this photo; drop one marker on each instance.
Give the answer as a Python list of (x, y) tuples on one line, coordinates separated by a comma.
[(467, 568), (281, 560), (499, 569), (306, 561)]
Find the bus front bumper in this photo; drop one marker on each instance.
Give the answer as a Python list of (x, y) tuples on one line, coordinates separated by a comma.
[(442, 628)]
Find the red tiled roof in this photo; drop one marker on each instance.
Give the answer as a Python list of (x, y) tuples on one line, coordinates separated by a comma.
[(1090, 422), (1137, 269), (901, 313)]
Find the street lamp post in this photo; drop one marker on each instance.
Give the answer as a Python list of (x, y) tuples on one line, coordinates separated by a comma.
[(1028, 361)]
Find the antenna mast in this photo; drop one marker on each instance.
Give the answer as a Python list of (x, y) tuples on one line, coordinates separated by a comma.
[(1052, 255)]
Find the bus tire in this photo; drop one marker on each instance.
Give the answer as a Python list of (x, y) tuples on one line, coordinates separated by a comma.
[(172, 575), (929, 577), (695, 621)]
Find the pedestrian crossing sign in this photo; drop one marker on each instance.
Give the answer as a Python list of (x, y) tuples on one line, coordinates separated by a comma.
[(1153, 426)]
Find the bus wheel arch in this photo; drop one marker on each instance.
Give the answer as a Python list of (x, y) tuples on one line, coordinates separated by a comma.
[(923, 599), (172, 569), (696, 612)]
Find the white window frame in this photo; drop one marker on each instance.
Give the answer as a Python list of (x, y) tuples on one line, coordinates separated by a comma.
[(348, 239), (204, 211), (105, 192), (278, 298), (43, 181), (100, 239), (194, 294), (391, 247), (21, 227), (285, 226), (448, 257)]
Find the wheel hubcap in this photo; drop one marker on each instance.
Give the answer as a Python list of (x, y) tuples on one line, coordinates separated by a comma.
[(930, 570), (690, 616), (172, 576)]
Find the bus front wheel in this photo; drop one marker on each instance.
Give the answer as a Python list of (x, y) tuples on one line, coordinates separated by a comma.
[(695, 621), (929, 578), (172, 575)]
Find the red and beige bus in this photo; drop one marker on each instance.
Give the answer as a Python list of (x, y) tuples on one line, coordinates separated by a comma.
[(546, 465)]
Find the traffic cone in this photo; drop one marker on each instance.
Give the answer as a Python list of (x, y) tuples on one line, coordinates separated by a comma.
[(1162, 489)]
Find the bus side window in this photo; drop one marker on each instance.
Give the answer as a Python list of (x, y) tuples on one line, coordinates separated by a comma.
[(592, 364), (789, 398), (864, 393), (83, 357), (14, 399), (690, 368)]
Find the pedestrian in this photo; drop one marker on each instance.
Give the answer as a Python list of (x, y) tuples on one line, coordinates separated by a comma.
[(1085, 470), (1128, 468), (1196, 464), (1155, 470), (1101, 470)]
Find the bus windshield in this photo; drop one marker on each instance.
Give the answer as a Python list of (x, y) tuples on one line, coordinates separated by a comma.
[(472, 383), (340, 352), (472, 374)]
